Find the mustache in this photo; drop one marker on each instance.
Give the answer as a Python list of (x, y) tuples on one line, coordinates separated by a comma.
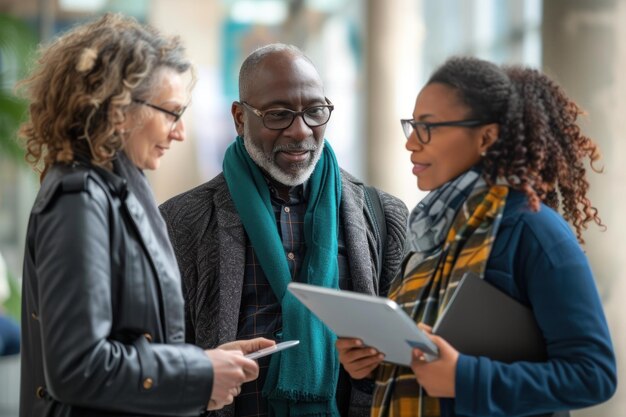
[(295, 147)]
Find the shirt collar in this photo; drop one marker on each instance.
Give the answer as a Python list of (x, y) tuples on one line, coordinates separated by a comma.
[(297, 194)]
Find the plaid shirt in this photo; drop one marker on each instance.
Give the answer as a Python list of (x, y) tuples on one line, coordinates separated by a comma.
[(260, 311)]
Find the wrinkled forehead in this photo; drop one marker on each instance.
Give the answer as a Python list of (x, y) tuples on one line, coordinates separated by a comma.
[(285, 78)]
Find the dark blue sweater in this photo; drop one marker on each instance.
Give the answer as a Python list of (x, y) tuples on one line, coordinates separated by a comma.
[(537, 260)]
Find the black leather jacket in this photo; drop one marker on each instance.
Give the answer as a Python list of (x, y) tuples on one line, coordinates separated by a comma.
[(102, 314)]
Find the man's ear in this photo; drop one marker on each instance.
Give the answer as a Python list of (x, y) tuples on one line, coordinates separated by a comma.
[(236, 109), (490, 135)]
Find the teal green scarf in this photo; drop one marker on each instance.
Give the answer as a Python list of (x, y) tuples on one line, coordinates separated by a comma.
[(301, 381)]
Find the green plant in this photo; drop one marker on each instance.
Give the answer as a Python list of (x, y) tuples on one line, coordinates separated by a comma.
[(13, 304), (17, 43)]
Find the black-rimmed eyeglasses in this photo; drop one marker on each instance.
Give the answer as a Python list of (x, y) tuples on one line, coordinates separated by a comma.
[(279, 118), (174, 115), (422, 129)]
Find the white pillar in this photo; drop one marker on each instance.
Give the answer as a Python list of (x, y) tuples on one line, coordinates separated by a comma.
[(198, 24), (393, 41)]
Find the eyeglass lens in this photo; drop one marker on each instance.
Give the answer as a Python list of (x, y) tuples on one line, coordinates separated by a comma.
[(174, 124), (172, 116), (283, 118), (422, 131)]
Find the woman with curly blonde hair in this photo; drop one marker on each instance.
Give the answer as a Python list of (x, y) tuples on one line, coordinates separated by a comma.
[(500, 151), (102, 316)]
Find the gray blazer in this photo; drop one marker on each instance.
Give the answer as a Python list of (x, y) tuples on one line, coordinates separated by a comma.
[(210, 243)]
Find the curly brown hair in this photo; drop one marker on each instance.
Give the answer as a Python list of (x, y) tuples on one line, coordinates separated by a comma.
[(85, 83), (540, 148)]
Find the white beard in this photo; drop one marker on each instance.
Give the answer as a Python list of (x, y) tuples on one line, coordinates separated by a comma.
[(267, 163)]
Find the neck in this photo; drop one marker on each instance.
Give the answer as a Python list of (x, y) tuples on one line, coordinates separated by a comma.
[(282, 189)]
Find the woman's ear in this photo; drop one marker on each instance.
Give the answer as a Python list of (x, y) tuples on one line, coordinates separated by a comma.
[(490, 135), (122, 128), (126, 125)]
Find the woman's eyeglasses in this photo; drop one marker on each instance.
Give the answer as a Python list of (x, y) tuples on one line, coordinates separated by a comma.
[(422, 129), (174, 115)]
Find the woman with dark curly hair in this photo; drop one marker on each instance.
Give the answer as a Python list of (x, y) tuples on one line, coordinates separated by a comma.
[(500, 151), (102, 315)]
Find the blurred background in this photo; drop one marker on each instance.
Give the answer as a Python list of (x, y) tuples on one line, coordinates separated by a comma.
[(374, 56)]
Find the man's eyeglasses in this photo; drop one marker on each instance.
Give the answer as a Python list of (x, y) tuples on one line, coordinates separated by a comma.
[(173, 115), (422, 129), (279, 118)]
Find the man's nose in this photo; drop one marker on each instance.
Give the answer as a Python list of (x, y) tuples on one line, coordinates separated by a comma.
[(298, 129)]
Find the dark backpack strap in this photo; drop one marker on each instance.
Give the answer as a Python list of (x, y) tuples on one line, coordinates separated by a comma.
[(377, 215)]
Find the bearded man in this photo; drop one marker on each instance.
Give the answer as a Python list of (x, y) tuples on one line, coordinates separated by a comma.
[(282, 210)]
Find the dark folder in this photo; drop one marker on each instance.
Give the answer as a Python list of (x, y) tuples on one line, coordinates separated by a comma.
[(481, 320)]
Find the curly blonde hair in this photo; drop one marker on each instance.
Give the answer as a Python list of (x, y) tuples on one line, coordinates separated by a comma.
[(84, 84)]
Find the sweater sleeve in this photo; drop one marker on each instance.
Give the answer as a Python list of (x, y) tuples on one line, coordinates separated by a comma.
[(396, 215), (177, 231), (580, 370)]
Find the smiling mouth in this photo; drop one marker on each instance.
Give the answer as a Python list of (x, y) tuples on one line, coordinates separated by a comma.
[(161, 150), (419, 168), (295, 156)]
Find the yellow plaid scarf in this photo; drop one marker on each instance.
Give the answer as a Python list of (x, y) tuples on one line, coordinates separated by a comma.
[(427, 285)]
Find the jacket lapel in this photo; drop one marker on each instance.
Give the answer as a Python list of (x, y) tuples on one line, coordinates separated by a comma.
[(232, 256), (173, 320), (358, 241), (164, 271)]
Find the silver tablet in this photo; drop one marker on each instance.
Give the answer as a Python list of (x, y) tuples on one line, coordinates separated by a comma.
[(378, 322)]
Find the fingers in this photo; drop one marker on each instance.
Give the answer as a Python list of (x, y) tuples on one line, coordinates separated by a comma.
[(353, 349), (230, 370), (358, 360), (230, 346), (217, 405), (425, 327), (417, 357), (235, 391), (438, 376), (362, 368), (258, 344), (346, 344), (447, 353), (362, 355), (250, 369), (213, 405), (248, 346), (446, 350)]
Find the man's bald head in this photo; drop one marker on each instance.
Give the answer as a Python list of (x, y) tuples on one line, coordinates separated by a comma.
[(255, 59)]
